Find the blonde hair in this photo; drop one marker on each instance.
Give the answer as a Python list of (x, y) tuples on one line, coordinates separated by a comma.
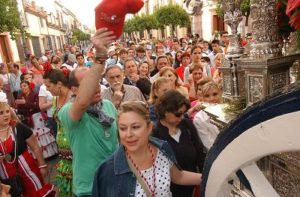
[(13, 117), (210, 85), (2, 105), (202, 82), (138, 107), (155, 85)]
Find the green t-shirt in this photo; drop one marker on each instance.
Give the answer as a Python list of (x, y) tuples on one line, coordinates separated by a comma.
[(90, 144)]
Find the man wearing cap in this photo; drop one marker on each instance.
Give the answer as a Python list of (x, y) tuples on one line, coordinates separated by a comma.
[(89, 121)]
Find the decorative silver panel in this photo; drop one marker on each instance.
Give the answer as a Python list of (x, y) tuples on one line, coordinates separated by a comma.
[(285, 169), (255, 88), (265, 29), (277, 81)]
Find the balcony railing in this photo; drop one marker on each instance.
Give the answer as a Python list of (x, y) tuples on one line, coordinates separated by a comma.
[(32, 8)]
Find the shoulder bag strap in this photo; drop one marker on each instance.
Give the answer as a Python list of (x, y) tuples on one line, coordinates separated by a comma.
[(139, 178)]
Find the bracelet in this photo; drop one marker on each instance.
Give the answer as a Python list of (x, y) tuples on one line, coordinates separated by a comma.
[(43, 166)]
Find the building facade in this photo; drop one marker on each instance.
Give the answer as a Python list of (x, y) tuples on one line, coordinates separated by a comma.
[(48, 26)]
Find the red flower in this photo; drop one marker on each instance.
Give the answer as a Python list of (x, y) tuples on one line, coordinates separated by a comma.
[(295, 20), (291, 6), (278, 6)]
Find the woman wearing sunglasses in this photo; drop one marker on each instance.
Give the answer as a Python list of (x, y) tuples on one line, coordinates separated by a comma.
[(181, 134)]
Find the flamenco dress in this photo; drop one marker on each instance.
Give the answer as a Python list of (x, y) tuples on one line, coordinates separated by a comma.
[(31, 178), (64, 166)]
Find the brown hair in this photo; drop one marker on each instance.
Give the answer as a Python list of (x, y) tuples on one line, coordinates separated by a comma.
[(195, 66), (165, 69), (155, 85), (171, 101)]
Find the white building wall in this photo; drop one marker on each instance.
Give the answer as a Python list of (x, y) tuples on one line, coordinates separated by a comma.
[(206, 23)]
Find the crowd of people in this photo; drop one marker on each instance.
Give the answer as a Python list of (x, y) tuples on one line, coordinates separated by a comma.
[(115, 110)]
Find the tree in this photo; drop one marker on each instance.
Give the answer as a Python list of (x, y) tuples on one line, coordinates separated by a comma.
[(10, 17), (80, 35), (172, 15), (245, 9), (147, 22), (129, 26)]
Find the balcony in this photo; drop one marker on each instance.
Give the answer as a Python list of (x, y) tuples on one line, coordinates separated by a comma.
[(32, 8)]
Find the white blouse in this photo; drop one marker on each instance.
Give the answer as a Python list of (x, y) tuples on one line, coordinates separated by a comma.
[(162, 177)]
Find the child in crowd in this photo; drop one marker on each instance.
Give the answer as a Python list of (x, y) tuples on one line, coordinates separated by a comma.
[(158, 88), (197, 105), (206, 130)]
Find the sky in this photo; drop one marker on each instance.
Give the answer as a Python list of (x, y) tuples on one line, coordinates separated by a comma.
[(83, 9)]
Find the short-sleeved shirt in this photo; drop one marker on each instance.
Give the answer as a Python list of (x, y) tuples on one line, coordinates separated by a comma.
[(23, 133), (45, 93), (90, 143)]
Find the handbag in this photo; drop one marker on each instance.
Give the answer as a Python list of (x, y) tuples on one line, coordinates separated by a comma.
[(16, 186), (15, 183)]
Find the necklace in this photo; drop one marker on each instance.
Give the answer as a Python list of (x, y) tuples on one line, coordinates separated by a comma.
[(152, 189), (4, 129), (7, 156)]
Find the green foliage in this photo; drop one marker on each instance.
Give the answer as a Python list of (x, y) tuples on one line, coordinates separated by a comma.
[(129, 26), (245, 8), (219, 10), (80, 35), (172, 15), (140, 23), (148, 22), (9, 17)]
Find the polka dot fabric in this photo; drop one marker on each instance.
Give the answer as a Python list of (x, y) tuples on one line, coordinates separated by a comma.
[(163, 177)]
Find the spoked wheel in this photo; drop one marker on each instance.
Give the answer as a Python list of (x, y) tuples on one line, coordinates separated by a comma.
[(268, 127)]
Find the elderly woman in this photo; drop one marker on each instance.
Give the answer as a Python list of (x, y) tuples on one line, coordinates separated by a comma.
[(149, 159), (15, 158), (181, 134)]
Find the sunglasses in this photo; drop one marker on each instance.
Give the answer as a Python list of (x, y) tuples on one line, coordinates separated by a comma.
[(178, 114)]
